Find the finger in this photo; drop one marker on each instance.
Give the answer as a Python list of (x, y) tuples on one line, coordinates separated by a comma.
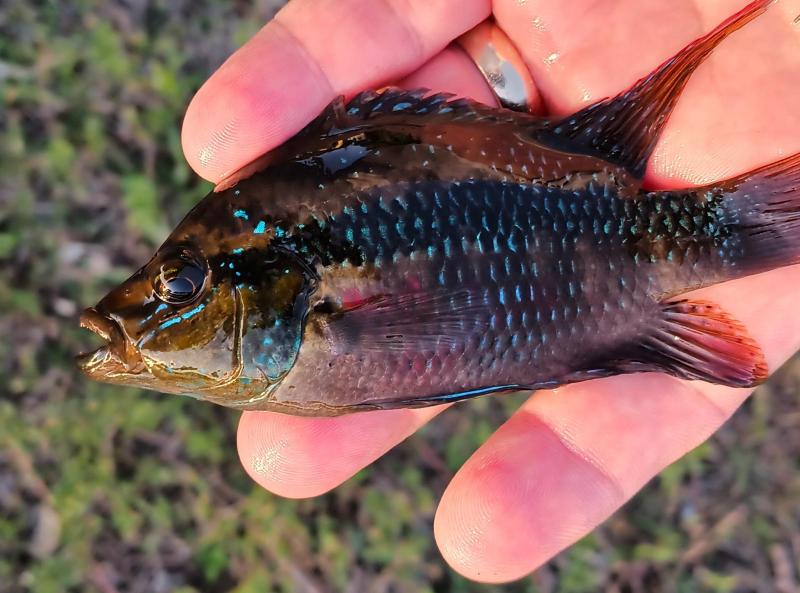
[(452, 71), (570, 457), (301, 457), (311, 52)]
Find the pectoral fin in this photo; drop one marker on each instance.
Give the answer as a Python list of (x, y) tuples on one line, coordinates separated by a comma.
[(624, 129), (418, 322)]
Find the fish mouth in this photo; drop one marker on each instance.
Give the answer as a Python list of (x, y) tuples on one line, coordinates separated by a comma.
[(117, 357)]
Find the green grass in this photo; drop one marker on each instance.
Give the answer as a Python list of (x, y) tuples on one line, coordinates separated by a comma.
[(108, 489)]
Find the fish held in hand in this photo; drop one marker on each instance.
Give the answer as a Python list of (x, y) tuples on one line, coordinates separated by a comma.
[(408, 249)]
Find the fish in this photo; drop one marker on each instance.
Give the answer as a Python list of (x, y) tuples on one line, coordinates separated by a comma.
[(409, 248)]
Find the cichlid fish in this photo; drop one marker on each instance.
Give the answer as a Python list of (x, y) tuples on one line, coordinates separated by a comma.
[(408, 249)]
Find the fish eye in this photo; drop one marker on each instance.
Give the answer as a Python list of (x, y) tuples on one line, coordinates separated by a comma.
[(180, 279)]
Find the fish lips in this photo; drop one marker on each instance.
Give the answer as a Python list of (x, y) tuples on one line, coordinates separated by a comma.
[(117, 357)]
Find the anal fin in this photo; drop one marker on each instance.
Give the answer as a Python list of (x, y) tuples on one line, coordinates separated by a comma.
[(624, 129), (698, 340)]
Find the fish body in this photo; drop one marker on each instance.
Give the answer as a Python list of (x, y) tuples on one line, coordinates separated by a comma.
[(408, 249)]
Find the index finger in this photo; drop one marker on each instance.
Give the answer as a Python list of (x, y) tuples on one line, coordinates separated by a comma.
[(311, 52)]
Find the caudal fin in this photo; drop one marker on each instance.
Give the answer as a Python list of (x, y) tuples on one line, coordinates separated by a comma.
[(762, 208)]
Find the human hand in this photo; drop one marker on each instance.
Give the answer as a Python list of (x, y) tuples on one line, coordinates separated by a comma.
[(569, 457)]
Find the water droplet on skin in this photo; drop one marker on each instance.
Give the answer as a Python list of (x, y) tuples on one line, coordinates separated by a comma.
[(551, 59), (538, 24)]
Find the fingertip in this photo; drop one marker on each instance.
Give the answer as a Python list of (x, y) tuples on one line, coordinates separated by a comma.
[(251, 104), (519, 500), (301, 457)]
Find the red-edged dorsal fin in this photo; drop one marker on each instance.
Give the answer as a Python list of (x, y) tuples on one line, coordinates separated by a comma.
[(698, 340), (624, 129)]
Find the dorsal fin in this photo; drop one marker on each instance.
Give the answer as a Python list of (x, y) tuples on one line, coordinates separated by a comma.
[(395, 104), (624, 129), (396, 110)]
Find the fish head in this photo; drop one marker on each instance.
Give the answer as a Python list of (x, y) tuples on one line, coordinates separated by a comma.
[(216, 314)]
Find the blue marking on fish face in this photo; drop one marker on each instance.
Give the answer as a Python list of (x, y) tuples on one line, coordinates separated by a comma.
[(178, 318), (194, 311), (170, 322), (158, 310), (260, 228), (238, 250), (401, 106), (241, 214)]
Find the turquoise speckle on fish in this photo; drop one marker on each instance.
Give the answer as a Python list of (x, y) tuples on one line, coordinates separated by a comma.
[(408, 249)]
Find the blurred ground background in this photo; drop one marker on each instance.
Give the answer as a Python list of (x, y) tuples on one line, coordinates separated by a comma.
[(111, 490)]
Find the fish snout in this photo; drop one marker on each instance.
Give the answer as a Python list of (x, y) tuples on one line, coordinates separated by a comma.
[(117, 355)]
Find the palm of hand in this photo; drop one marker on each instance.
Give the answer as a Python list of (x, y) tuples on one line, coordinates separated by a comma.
[(570, 457)]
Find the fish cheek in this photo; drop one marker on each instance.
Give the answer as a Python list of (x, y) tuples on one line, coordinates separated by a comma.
[(274, 319), (196, 340)]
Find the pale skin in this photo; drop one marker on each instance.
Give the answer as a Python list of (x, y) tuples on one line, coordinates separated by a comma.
[(568, 458)]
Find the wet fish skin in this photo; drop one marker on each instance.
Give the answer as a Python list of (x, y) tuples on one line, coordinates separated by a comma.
[(408, 249)]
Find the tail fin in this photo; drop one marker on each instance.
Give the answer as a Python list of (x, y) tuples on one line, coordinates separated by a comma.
[(763, 209)]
